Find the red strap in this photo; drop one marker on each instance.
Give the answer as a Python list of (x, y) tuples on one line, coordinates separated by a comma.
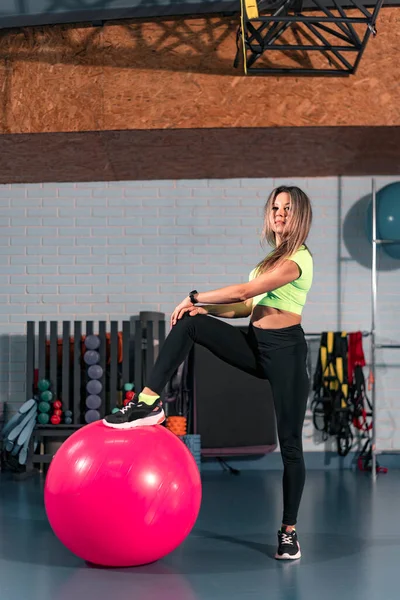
[(355, 354)]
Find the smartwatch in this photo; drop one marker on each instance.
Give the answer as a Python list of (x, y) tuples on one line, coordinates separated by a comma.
[(193, 300)]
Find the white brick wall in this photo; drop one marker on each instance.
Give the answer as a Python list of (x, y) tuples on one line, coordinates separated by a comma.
[(105, 251)]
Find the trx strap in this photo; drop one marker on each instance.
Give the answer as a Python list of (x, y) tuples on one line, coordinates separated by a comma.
[(356, 356), (362, 413), (364, 460), (340, 398), (362, 409), (331, 411), (361, 406)]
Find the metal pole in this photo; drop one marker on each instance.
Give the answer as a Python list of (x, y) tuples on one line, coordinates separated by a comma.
[(373, 318)]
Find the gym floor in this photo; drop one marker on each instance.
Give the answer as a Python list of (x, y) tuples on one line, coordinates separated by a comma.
[(348, 529)]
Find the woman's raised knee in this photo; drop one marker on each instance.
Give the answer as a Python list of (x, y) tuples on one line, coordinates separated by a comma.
[(188, 321)]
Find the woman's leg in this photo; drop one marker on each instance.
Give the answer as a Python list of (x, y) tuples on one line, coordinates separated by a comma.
[(225, 341), (290, 388), (232, 345)]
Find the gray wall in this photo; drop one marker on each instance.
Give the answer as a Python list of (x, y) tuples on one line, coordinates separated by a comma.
[(106, 251)]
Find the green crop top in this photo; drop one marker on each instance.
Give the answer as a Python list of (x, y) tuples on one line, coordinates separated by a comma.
[(292, 296)]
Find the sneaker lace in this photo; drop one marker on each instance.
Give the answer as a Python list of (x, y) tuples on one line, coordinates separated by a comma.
[(287, 539), (128, 406)]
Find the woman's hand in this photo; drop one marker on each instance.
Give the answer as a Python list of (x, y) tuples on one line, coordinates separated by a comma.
[(186, 303), (192, 310)]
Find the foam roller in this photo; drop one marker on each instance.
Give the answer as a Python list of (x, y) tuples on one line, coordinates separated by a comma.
[(15, 450), (17, 417), (17, 430), (27, 431), (26, 436)]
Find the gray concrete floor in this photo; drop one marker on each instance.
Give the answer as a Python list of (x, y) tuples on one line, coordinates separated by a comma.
[(348, 528)]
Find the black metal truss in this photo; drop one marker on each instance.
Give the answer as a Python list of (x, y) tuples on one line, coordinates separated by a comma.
[(335, 33)]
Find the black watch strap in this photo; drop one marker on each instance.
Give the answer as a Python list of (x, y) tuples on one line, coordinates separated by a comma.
[(193, 300)]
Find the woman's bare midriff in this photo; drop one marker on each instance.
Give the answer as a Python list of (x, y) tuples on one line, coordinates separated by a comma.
[(266, 317)]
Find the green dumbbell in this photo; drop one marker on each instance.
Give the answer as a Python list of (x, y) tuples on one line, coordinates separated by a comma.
[(46, 396), (44, 407), (44, 385), (43, 418)]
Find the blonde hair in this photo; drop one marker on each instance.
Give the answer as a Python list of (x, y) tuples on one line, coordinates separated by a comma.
[(294, 236)]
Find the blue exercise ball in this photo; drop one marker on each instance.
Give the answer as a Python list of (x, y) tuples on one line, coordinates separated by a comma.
[(387, 218)]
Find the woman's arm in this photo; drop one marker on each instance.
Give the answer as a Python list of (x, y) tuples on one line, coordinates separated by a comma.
[(237, 294), (271, 280), (237, 310)]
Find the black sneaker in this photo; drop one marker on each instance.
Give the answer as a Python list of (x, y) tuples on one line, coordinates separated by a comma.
[(289, 547), (136, 414)]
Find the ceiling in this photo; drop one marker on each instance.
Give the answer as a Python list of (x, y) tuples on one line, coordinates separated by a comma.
[(20, 13)]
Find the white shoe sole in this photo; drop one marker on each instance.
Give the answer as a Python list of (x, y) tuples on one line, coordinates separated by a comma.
[(146, 421), (288, 556)]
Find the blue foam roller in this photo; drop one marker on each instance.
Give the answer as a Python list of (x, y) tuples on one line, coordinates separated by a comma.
[(17, 430), (15, 450), (23, 455), (17, 417), (27, 431), (26, 436)]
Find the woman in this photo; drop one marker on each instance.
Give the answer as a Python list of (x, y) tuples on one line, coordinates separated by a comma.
[(273, 348)]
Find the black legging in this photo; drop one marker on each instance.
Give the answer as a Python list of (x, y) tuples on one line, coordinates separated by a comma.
[(278, 355)]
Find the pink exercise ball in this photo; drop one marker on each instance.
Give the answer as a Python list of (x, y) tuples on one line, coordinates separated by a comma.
[(122, 498)]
